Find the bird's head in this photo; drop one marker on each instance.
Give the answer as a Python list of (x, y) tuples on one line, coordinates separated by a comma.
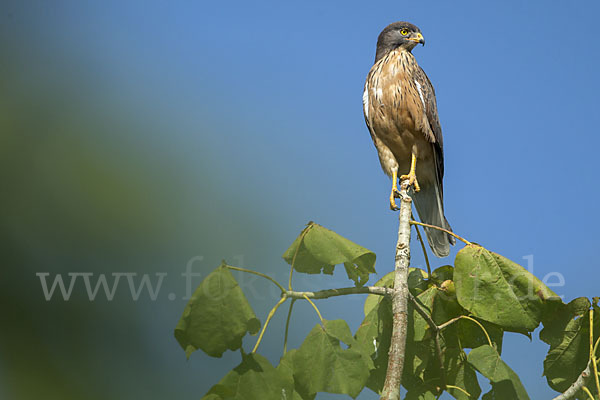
[(399, 34)]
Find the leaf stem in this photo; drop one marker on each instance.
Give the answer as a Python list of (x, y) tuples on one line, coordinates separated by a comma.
[(592, 355), (424, 251), (315, 307), (259, 274), (271, 313), (287, 326), (587, 391), (465, 241), (458, 388), (482, 328), (453, 320)]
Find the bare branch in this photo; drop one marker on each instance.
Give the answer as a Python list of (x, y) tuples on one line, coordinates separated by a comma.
[(324, 294), (393, 378), (423, 313)]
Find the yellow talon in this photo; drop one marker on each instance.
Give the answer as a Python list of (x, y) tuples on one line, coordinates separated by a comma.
[(412, 175)]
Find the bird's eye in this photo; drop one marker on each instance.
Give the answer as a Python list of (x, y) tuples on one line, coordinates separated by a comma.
[(404, 32)]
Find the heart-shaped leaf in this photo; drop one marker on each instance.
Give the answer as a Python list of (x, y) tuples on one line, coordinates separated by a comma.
[(318, 250), (217, 316)]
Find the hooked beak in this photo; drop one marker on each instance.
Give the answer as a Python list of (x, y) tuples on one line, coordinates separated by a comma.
[(418, 38)]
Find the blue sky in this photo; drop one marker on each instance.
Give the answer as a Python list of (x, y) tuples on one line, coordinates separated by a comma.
[(258, 105)]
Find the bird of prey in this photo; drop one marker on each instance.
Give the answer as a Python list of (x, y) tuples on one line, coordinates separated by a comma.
[(401, 114)]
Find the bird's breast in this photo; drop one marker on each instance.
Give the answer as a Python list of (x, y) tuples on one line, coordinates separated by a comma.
[(393, 101)]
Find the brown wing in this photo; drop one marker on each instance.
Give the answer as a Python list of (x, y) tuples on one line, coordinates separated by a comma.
[(426, 90)]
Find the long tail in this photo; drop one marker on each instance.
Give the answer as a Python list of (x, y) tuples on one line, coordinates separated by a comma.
[(430, 206)]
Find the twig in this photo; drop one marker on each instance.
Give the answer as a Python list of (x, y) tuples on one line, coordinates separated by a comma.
[(287, 326), (465, 241), (324, 294), (436, 331), (259, 274), (449, 322), (424, 251), (422, 312), (438, 350), (271, 313), (393, 377)]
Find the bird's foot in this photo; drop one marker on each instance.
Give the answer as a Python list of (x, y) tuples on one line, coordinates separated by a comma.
[(412, 180), (394, 195)]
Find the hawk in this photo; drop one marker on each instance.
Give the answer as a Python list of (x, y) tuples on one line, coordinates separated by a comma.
[(401, 114)]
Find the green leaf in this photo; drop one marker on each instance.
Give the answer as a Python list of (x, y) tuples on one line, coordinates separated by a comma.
[(498, 290), (318, 250), (568, 336), (420, 394), (254, 378), (376, 327), (374, 336), (416, 284), (217, 316), (440, 305), (505, 383), (419, 326), (322, 365), (286, 368), (443, 273), (373, 300), (472, 336), (460, 373), (420, 365), (562, 319)]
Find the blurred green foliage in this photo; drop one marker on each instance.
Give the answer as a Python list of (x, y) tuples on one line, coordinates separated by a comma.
[(92, 182)]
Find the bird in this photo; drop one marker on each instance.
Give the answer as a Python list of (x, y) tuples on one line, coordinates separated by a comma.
[(400, 111)]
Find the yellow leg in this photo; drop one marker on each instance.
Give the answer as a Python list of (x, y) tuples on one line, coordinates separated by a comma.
[(412, 175), (395, 192)]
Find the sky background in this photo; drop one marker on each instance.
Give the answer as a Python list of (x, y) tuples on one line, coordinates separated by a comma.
[(138, 135)]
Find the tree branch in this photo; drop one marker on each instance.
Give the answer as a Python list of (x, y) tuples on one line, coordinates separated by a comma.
[(577, 385), (393, 378), (324, 294)]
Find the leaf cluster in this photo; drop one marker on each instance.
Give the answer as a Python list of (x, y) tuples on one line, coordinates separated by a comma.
[(457, 318)]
